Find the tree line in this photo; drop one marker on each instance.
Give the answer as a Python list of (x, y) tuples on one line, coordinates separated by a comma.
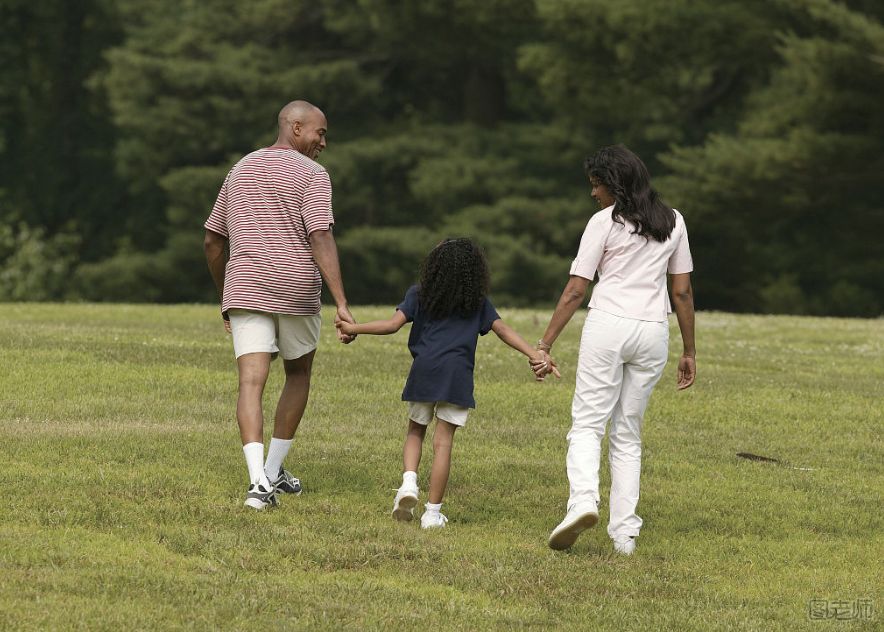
[(760, 121)]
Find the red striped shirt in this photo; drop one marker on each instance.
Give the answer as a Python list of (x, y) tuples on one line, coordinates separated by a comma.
[(269, 204)]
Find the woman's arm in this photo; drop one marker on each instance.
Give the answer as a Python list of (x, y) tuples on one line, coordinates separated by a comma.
[(379, 327), (508, 335), (683, 304), (571, 299)]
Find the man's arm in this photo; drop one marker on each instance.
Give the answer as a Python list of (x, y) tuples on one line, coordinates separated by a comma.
[(683, 304), (215, 246), (325, 254)]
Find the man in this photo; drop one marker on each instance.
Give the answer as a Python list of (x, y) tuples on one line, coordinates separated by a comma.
[(274, 217)]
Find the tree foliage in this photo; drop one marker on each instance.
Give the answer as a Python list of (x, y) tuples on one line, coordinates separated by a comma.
[(792, 200), (760, 121)]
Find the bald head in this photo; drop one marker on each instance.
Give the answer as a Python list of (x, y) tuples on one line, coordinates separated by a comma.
[(298, 111), (302, 126)]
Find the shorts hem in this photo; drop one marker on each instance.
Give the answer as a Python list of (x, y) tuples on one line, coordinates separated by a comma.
[(453, 414), (273, 352), (301, 355)]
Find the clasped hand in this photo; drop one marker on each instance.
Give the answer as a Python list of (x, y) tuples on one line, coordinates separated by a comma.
[(542, 364), (343, 315)]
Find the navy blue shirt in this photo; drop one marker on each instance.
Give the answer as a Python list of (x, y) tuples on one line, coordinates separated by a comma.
[(444, 352)]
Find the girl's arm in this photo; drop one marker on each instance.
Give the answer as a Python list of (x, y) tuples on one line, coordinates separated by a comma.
[(379, 327), (508, 335)]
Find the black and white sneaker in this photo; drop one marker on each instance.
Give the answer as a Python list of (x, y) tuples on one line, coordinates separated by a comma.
[(258, 497), (286, 483)]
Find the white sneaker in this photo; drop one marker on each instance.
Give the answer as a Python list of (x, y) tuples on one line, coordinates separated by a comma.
[(578, 520), (624, 544), (433, 520), (405, 502), (260, 496)]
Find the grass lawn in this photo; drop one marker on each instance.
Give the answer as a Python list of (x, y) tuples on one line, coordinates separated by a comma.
[(123, 481)]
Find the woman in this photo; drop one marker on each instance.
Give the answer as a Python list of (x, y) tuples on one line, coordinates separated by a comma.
[(632, 243)]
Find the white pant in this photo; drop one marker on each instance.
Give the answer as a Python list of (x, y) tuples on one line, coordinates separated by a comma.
[(621, 359)]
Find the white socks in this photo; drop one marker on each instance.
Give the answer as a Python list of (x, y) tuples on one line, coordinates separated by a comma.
[(409, 478), (276, 454), (433, 509), (254, 453), (260, 472)]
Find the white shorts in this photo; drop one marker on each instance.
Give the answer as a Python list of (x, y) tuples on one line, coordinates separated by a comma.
[(262, 332), (422, 413)]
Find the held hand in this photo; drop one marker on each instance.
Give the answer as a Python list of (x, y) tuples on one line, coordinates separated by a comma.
[(344, 317), (687, 372), (554, 368), (227, 326), (344, 327), (542, 365), (539, 364)]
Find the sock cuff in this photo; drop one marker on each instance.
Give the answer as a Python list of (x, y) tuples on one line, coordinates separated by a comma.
[(276, 453), (254, 453), (433, 508)]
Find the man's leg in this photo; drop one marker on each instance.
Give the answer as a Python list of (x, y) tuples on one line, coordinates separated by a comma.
[(289, 411), (253, 371), (293, 399)]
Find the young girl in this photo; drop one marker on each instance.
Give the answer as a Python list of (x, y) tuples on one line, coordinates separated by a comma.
[(449, 311)]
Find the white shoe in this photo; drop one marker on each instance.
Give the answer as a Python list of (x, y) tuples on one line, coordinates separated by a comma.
[(433, 520), (260, 496), (624, 544), (578, 520), (405, 502)]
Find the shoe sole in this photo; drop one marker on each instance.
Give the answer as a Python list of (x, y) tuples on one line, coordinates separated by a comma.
[(403, 511), (254, 503), (563, 538)]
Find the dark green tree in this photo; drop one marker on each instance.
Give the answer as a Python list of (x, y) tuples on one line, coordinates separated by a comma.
[(786, 211), (649, 73), (759, 120), (56, 139)]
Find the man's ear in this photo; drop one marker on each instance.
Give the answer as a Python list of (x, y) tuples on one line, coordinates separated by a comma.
[(296, 128)]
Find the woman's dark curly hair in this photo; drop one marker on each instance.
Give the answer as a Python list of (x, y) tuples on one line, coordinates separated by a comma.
[(454, 279), (629, 182)]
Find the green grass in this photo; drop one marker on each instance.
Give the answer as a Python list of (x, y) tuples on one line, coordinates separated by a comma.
[(123, 480)]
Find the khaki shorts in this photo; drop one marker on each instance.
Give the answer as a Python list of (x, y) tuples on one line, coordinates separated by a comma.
[(422, 413), (262, 332)]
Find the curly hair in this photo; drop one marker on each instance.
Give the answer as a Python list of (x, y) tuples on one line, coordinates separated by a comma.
[(454, 279), (628, 180)]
